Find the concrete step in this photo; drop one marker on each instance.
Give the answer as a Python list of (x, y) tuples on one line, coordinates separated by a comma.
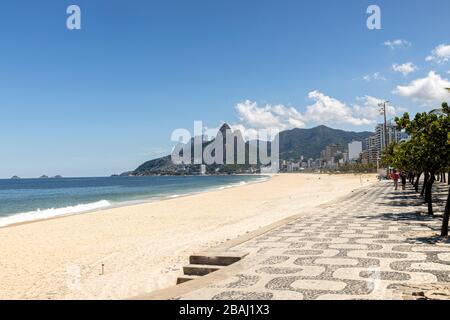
[(217, 259), (184, 279), (200, 269)]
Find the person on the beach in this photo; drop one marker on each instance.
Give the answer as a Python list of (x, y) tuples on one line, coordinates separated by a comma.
[(403, 177), (395, 176)]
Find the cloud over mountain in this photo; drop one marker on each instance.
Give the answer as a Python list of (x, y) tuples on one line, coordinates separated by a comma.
[(371, 109), (328, 110), (277, 117), (324, 110)]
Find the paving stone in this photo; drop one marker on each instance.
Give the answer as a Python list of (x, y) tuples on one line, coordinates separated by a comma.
[(371, 245)]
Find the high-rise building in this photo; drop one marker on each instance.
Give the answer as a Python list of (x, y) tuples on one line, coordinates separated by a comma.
[(388, 136), (330, 152), (365, 157), (354, 150), (377, 143)]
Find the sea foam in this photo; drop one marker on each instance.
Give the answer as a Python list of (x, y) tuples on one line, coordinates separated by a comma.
[(51, 213)]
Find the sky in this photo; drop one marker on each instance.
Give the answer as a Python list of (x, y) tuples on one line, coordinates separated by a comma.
[(105, 98)]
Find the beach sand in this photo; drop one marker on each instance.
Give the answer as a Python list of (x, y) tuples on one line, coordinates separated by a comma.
[(143, 247)]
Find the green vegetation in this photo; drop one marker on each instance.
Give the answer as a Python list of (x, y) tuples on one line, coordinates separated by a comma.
[(358, 168), (427, 153), (310, 142)]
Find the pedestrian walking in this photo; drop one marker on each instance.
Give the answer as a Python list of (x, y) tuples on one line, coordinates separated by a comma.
[(403, 178), (395, 176)]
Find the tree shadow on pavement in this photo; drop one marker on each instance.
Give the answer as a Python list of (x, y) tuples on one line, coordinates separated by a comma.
[(406, 216), (434, 239)]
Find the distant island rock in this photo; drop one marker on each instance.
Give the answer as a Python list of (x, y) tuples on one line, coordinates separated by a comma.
[(15, 178), (124, 174), (43, 177), (57, 177)]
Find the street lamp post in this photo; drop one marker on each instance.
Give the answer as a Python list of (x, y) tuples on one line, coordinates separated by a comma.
[(382, 105)]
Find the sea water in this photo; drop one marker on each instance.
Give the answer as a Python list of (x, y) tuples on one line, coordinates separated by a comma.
[(34, 199)]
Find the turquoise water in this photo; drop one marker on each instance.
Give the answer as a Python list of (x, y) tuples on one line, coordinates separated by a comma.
[(32, 199)]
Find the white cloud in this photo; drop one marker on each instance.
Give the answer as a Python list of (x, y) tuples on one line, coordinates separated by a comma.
[(247, 133), (324, 110), (273, 117), (327, 110), (393, 44), (440, 54), (370, 108), (375, 76), (429, 90), (405, 68)]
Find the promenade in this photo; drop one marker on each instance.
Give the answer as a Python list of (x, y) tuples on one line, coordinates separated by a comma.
[(375, 244)]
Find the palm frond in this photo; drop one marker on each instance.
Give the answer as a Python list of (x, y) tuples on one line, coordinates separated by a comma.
[(436, 111)]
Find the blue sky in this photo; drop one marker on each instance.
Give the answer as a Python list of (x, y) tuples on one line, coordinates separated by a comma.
[(105, 98)]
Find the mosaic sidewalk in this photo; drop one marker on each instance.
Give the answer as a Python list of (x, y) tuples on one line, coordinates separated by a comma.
[(370, 245)]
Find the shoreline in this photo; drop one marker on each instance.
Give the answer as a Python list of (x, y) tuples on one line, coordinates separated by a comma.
[(131, 203), (144, 247)]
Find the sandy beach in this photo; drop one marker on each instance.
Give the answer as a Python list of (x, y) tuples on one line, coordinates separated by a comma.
[(127, 251)]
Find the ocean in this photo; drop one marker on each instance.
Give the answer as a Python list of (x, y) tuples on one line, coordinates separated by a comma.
[(34, 199)]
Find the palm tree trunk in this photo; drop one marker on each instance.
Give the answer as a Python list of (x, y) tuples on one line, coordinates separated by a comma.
[(428, 193), (416, 184), (444, 231), (425, 181)]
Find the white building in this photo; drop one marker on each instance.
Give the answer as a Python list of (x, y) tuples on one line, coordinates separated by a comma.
[(354, 150), (345, 157), (293, 166)]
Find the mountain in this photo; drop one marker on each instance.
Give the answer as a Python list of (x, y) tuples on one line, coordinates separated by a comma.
[(165, 166), (293, 144), (155, 166), (310, 142)]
